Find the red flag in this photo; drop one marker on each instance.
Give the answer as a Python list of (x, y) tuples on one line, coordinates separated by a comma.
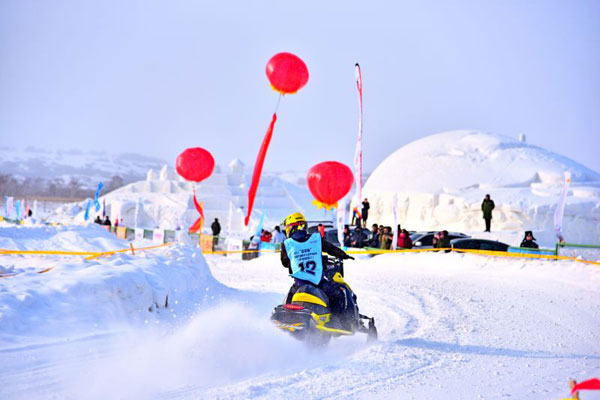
[(260, 160), (590, 384), (196, 226), (198, 206)]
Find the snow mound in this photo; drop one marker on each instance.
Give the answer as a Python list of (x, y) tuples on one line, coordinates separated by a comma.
[(92, 296), (439, 182)]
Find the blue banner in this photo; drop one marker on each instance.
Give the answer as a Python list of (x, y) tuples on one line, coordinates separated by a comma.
[(96, 202), (87, 210), (259, 228)]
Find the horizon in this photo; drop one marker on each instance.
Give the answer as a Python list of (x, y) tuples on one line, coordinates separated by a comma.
[(156, 79)]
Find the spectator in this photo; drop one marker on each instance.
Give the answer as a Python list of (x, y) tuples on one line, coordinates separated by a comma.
[(357, 238), (528, 241), (435, 240), (106, 221), (321, 230), (98, 220), (116, 222), (365, 211), (374, 242), (278, 236), (346, 236), (215, 227), (404, 240), (386, 239), (29, 212), (266, 236), (487, 206), (443, 241)]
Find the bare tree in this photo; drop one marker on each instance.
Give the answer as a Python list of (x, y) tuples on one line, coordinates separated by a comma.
[(115, 182)]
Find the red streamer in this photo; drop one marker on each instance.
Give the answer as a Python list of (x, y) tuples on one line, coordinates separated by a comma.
[(260, 160), (198, 206), (590, 384), (196, 226)]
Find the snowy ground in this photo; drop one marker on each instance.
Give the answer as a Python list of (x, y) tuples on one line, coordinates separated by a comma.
[(451, 326)]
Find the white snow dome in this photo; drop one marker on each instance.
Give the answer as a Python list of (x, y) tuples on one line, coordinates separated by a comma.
[(439, 182)]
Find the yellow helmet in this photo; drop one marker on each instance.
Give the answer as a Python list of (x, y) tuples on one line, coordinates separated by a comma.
[(294, 222)]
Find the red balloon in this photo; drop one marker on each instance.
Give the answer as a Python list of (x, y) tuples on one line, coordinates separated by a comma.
[(287, 73), (195, 164), (328, 182)]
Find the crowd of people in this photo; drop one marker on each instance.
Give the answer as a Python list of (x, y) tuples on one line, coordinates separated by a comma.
[(380, 236)]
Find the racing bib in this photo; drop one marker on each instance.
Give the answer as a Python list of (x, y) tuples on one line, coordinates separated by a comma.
[(305, 258)]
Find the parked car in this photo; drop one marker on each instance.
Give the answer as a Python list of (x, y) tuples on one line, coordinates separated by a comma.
[(478, 244), (424, 240), (331, 235)]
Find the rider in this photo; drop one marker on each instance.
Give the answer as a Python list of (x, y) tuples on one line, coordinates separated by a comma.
[(301, 253)]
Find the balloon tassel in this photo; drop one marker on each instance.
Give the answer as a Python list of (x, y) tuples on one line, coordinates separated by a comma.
[(258, 166), (325, 206)]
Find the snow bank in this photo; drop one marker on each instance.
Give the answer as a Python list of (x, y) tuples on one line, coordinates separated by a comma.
[(79, 297), (441, 180)]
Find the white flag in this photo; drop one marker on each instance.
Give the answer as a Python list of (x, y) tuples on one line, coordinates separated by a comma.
[(560, 208), (341, 220), (395, 226), (358, 150)]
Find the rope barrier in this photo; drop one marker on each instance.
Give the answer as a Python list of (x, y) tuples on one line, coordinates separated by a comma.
[(446, 249), (93, 255), (90, 254)]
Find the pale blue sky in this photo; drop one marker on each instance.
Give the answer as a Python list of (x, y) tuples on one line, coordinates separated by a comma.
[(156, 77)]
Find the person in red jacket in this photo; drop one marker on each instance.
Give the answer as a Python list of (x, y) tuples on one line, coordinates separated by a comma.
[(321, 230), (404, 240), (266, 236)]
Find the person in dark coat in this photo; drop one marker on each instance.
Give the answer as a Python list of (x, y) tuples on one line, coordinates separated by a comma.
[(106, 221), (528, 241), (347, 236), (365, 211), (215, 227), (98, 220), (487, 206), (357, 238), (374, 242), (443, 241)]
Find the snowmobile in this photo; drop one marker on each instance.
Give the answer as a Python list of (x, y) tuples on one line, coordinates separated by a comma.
[(315, 314)]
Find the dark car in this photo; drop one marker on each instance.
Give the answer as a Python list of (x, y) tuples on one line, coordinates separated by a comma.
[(424, 240), (331, 235), (478, 244)]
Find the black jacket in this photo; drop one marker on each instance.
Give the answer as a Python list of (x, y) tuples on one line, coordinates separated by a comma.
[(216, 228), (365, 210), (529, 243), (327, 247)]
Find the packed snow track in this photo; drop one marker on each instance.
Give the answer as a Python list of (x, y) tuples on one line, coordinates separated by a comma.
[(450, 326)]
